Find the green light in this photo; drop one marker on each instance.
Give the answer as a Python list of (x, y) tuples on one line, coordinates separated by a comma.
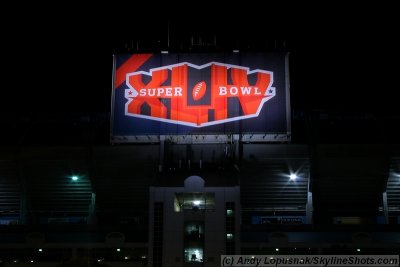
[(74, 178), (229, 212), (229, 236)]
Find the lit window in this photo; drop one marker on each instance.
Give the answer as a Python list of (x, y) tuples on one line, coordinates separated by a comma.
[(229, 212), (194, 201), (194, 255)]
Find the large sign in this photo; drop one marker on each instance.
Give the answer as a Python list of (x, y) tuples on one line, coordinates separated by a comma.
[(199, 94)]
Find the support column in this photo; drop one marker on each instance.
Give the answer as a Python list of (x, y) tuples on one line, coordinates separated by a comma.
[(385, 208), (309, 208), (309, 205), (23, 209), (238, 149), (161, 153), (92, 210)]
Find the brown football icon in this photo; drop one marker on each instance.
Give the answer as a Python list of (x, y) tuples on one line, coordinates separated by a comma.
[(199, 90)]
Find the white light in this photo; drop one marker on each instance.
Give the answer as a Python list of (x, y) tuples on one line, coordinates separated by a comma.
[(235, 51), (197, 255), (74, 178), (196, 202), (277, 249), (164, 52), (358, 250), (40, 250), (293, 176), (118, 249), (31, 260), (126, 258)]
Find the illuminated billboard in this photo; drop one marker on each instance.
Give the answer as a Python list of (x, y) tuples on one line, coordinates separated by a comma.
[(180, 95)]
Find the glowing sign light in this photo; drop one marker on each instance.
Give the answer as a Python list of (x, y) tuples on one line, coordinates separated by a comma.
[(190, 102), (180, 94)]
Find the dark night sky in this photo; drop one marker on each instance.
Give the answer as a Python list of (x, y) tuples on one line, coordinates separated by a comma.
[(342, 57)]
